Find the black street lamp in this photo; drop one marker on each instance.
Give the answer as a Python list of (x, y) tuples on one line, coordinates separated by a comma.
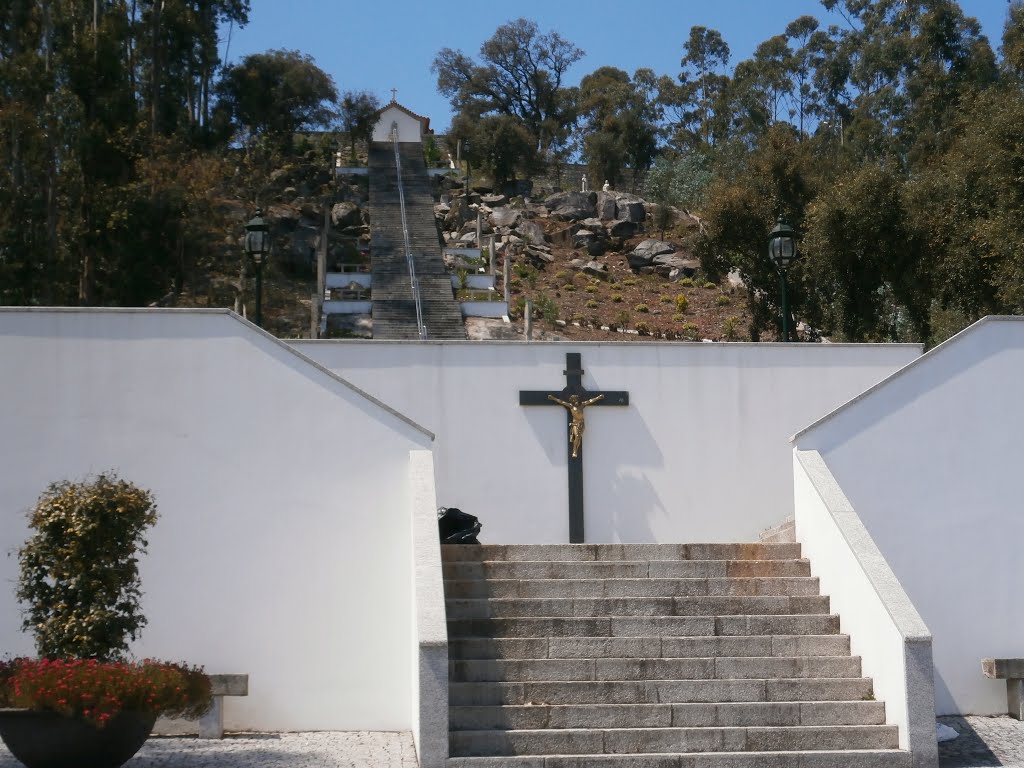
[(257, 246), (782, 251)]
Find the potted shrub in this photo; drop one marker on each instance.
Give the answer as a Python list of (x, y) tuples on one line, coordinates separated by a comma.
[(83, 701)]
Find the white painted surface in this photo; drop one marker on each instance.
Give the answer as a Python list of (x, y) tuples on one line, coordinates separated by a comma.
[(931, 461), (885, 630), (484, 308), (347, 307), (279, 551), (430, 647), (475, 282), (700, 454), (409, 128), (345, 279)]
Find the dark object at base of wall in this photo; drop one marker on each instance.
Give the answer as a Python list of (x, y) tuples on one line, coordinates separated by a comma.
[(457, 527)]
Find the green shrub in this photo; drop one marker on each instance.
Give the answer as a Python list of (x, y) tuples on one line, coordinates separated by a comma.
[(622, 318), (644, 329), (730, 328), (569, 287), (561, 275), (629, 281), (686, 282), (79, 574), (723, 300), (690, 331), (546, 308), (591, 304), (592, 289), (617, 298), (641, 308), (678, 318), (682, 302), (709, 285), (665, 299)]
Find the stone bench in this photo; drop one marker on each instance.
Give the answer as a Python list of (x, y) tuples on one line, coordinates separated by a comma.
[(1012, 671), (211, 725)]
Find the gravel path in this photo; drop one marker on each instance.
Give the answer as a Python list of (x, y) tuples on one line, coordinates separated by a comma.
[(272, 750)]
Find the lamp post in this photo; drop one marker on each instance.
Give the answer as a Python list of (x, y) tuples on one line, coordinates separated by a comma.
[(257, 246), (782, 252)]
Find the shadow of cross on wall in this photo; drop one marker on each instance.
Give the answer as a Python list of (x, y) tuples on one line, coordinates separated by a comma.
[(575, 399)]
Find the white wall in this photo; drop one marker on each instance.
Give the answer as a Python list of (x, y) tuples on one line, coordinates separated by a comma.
[(283, 545), (885, 630), (409, 128), (931, 461), (700, 454)]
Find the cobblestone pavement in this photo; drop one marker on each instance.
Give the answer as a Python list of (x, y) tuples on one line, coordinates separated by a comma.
[(272, 750), (983, 742)]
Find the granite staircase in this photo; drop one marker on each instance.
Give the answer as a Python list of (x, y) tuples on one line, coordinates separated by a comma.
[(393, 303), (652, 656)]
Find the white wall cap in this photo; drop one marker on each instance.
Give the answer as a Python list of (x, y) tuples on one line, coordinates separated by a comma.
[(888, 588), (909, 368), (251, 327)]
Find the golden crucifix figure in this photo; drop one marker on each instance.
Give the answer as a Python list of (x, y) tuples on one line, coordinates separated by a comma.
[(576, 426)]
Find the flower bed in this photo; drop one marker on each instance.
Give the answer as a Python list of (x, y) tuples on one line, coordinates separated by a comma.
[(97, 691)]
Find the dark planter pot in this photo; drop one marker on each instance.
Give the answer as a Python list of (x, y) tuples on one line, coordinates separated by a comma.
[(50, 740)]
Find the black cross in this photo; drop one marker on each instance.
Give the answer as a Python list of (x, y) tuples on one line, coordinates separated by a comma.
[(574, 376)]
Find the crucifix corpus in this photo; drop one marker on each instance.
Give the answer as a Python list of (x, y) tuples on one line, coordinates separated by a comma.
[(574, 398)]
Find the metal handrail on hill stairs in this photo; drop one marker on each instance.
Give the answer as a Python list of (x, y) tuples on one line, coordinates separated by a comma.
[(405, 235)]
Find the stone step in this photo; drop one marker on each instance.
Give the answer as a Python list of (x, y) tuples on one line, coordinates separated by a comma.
[(668, 715), (659, 691), (635, 587), (645, 626), (724, 668), (653, 740), (868, 758), (626, 569), (636, 606), (647, 647), (573, 552)]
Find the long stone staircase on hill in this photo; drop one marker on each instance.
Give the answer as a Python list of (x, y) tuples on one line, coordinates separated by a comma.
[(393, 303), (652, 656)]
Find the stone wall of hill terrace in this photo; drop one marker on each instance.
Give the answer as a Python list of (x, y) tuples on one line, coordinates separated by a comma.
[(931, 461), (700, 454), (279, 541)]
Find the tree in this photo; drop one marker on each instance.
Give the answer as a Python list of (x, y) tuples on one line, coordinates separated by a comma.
[(702, 84), (275, 94), (358, 113), (520, 75), (619, 126), (496, 143)]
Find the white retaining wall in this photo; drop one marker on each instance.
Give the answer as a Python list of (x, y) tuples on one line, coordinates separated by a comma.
[(700, 454), (885, 630), (284, 545), (931, 460)]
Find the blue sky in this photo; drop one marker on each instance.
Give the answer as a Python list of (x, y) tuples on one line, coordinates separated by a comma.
[(379, 45)]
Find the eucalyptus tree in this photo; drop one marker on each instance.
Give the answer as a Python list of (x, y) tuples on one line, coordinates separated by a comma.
[(520, 73)]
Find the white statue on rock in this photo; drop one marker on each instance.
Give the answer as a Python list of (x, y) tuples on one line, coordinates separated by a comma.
[(606, 186), (583, 183)]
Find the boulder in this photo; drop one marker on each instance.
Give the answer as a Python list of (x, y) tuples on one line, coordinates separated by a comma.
[(571, 206), (583, 238), (597, 247), (494, 201), (666, 263), (605, 206), (592, 225), (597, 269), (345, 215), (540, 258), (530, 231), (482, 189), (648, 249), (283, 217), (622, 229), (505, 217), (459, 214), (629, 208), (468, 239)]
